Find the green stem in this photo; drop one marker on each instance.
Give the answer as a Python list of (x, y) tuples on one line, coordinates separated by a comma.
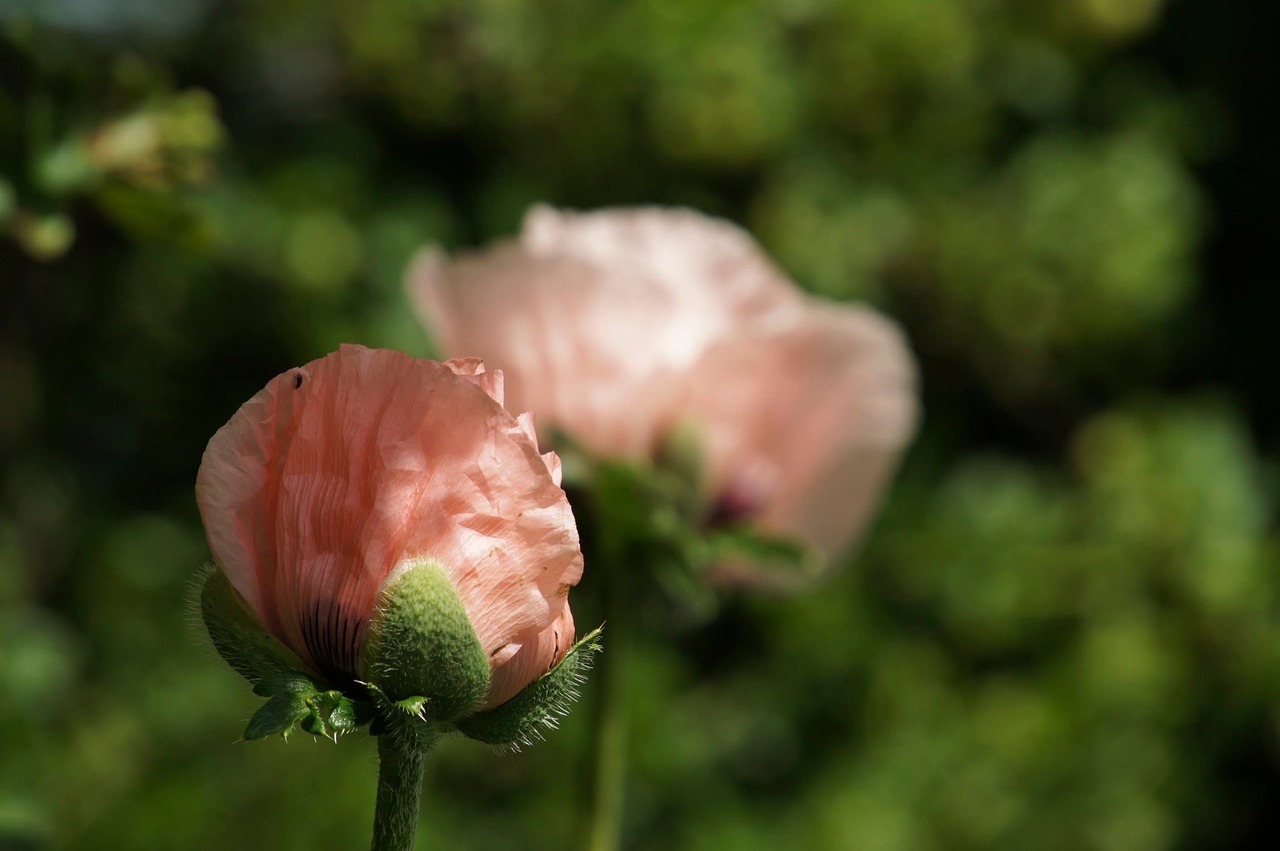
[(402, 750), (608, 767), (609, 763)]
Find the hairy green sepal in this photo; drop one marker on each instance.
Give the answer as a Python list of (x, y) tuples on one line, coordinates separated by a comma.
[(421, 651), (296, 699), (238, 635), (546, 700)]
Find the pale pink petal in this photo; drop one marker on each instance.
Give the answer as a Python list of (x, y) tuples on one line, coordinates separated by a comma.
[(237, 490), (335, 474), (526, 421), (713, 266), (574, 349), (534, 655), (473, 369), (433, 301), (804, 427), (596, 317), (554, 467), (527, 424), (466, 366)]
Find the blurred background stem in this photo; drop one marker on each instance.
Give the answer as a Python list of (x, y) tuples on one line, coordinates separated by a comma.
[(607, 768)]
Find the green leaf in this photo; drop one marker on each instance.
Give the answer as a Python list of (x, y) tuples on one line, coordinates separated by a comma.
[(331, 714), (281, 714), (784, 559), (296, 702)]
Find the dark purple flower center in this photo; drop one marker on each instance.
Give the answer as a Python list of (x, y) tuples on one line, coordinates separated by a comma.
[(734, 505), (333, 639)]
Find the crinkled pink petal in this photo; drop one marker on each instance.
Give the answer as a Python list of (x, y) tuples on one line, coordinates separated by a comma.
[(526, 422), (529, 658), (803, 428), (492, 383), (552, 460), (337, 472)]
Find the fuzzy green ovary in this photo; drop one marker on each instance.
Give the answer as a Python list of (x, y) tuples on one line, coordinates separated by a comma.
[(420, 643)]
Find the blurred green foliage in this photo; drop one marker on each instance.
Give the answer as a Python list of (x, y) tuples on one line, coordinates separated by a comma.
[(1064, 633)]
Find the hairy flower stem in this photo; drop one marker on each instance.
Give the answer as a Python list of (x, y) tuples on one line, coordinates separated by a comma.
[(402, 750), (608, 766)]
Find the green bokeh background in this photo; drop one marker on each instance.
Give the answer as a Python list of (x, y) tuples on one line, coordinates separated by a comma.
[(1063, 632)]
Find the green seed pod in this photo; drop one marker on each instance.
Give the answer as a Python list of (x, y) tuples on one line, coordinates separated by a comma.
[(421, 644)]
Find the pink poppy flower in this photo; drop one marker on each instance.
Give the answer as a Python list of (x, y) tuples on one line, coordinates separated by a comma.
[(345, 471), (626, 324)]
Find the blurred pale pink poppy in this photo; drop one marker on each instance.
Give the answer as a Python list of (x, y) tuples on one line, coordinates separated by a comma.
[(344, 471), (625, 325)]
